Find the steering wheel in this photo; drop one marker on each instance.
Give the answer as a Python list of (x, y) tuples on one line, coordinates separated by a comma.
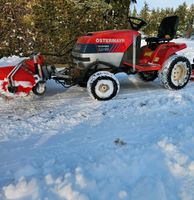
[(136, 23)]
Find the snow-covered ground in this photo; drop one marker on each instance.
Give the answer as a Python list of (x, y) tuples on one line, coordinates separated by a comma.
[(67, 146)]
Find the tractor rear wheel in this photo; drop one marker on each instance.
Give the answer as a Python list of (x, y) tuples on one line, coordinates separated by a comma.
[(103, 86), (148, 76), (175, 73)]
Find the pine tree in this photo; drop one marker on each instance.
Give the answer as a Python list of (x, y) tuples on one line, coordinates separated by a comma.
[(118, 14), (145, 14), (154, 22), (182, 11), (191, 14), (134, 13), (190, 23), (16, 36)]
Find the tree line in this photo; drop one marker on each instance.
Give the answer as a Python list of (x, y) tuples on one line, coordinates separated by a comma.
[(155, 16), (52, 27)]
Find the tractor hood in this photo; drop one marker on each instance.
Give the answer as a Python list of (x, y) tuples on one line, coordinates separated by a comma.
[(106, 41)]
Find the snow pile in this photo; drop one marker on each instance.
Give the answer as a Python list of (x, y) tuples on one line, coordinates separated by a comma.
[(189, 51), (177, 162), (64, 189), (10, 61), (23, 189), (68, 193)]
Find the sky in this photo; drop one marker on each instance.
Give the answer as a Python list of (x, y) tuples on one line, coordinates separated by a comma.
[(162, 4)]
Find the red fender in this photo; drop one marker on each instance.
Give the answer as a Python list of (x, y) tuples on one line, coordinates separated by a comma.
[(161, 53)]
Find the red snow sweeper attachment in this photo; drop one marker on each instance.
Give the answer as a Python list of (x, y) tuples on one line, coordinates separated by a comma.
[(26, 76)]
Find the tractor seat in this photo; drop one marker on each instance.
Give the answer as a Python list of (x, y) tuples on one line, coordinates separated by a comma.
[(166, 32)]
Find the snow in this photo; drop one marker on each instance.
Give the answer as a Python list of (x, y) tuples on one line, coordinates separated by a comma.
[(189, 52), (22, 189), (65, 145), (10, 61)]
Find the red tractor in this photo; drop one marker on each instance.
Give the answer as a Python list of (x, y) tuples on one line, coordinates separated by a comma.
[(98, 56)]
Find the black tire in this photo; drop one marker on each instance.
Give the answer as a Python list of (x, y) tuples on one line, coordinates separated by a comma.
[(148, 76), (103, 86), (88, 74), (37, 90), (176, 73)]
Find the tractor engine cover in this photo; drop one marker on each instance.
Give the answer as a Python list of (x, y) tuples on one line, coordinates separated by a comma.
[(107, 46)]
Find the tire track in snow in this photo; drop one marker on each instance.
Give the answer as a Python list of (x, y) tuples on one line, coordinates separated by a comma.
[(46, 102), (42, 115)]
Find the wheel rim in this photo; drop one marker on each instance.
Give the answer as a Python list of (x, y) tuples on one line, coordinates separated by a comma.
[(104, 88), (179, 74), (41, 88)]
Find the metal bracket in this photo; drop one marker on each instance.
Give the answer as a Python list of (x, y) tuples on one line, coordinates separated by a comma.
[(134, 52)]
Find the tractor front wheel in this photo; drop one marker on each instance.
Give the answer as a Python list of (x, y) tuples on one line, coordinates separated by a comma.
[(40, 88), (103, 86), (175, 73)]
